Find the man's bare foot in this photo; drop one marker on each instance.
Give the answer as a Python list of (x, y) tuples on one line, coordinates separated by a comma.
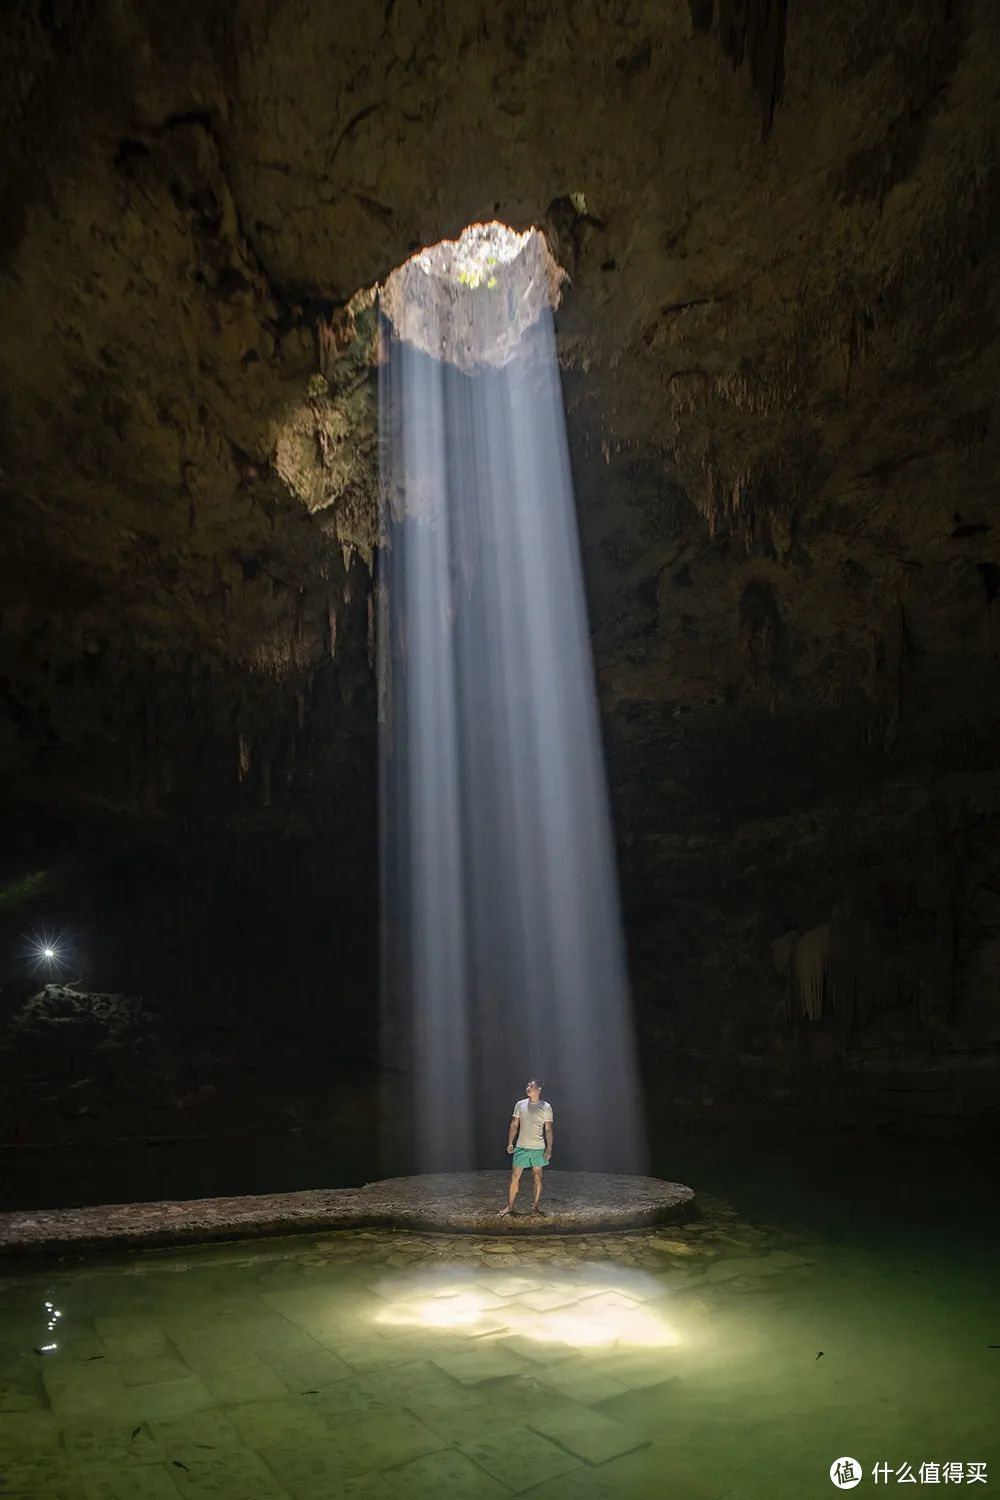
[(504, 1212), (536, 1210)]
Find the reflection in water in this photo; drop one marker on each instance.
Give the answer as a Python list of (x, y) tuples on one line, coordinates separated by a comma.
[(52, 1316)]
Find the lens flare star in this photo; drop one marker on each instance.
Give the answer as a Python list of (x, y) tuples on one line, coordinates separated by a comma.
[(47, 954)]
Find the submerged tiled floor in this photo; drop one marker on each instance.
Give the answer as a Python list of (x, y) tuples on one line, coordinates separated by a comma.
[(717, 1360)]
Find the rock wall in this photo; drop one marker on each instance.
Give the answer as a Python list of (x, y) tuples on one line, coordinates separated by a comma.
[(779, 350)]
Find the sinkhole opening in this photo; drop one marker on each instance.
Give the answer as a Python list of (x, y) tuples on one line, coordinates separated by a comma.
[(473, 302)]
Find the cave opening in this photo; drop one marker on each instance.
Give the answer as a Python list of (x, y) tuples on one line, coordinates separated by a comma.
[(502, 946)]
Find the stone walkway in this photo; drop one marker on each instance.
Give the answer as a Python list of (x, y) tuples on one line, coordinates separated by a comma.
[(443, 1203)]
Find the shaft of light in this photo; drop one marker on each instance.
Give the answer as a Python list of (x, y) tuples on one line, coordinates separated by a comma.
[(502, 947)]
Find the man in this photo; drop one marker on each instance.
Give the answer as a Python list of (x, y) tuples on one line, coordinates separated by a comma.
[(531, 1126)]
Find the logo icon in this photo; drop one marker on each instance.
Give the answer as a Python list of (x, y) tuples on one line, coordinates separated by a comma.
[(845, 1473)]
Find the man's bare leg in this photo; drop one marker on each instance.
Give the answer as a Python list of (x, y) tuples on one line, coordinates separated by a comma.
[(515, 1183), (536, 1173)]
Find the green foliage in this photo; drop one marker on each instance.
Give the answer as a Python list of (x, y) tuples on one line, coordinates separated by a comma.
[(476, 276)]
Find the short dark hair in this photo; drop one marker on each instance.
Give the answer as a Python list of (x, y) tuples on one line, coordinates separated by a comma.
[(533, 1083)]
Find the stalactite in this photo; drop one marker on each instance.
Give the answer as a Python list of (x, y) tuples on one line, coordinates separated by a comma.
[(846, 967), (331, 617), (812, 954), (804, 958)]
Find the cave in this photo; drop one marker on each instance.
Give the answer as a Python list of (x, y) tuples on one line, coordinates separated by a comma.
[(766, 237)]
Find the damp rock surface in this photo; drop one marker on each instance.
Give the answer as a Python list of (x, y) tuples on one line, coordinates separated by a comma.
[(442, 1203)]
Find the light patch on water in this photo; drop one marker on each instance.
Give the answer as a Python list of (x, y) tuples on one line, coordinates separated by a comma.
[(596, 1307)]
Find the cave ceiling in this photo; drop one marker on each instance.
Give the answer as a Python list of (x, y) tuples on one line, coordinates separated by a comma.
[(777, 338)]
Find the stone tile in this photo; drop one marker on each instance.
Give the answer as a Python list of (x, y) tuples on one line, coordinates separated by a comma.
[(146, 1483), (581, 1484), (312, 1469), (460, 1414), (418, 1338), (485, 1297), (131, 1338), (371, 1354), (82, 1345), (330, 1483), (421, 1381), (152, 1370), (645, 1410), (82, 1390), (386, 1327), (304, 1306), (443, 1476), (236, 1472), (303, 1371), (233, 1306), (253, 1383), (364, 1487), (107, 1443), (538, 1351), (25, 1394), (168, 1398), (580, 1382), (486, 1363), (638, 1370), (610, 1302), (278, 1424), (349, 1401), (276, 1338), (653, 1472), (39, 1475), (384, 1442), (725, 1270), (321, 1315), (28, 1431), (449, 1413), (428, 1343), (508, 1284), (214, 1354), (586, 1433), (516, 1457), (547, 1298), (203, 1430), (69, 1489)]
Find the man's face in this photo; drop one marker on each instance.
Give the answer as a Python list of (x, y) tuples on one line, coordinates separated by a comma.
[(534, 1092)]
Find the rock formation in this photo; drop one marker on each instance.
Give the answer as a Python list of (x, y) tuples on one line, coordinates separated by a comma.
[(778, 341)]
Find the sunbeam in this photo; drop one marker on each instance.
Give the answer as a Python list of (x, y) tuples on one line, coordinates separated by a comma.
[(502, 952)]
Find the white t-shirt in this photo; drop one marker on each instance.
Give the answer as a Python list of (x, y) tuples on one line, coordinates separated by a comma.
[(530, 1120)]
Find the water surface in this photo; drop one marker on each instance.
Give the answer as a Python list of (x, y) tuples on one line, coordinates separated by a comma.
[(813, 1313)]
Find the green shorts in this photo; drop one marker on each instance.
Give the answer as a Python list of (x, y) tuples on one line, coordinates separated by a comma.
[(525, 1158)]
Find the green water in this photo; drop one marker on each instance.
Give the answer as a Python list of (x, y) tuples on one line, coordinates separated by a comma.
[(681, 1363)]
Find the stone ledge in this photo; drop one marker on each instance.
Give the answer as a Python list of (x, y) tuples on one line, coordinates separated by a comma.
[(441, 1203)]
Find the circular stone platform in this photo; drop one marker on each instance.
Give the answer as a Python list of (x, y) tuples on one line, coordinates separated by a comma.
[(440, 1203), (573, 1202)]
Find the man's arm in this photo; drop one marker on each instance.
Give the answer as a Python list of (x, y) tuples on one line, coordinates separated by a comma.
[(547, 1127), (512, 1133)]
